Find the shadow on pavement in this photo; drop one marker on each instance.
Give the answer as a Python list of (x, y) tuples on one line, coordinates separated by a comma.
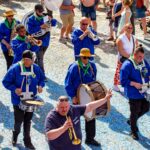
[(98, 61), (1, 139), (54, 89), (117, 121), (40, 115), (10, 4), (6, 116), (144, 141)]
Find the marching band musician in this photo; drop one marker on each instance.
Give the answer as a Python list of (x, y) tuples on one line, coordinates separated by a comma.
[(82, 71), (16, 81), (84, 37), (21, 43), (134, 77), (61, 121), (7, 32), (35, 24)]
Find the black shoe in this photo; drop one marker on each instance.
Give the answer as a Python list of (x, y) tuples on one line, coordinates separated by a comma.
[(134, 135), (92, 142), (14, 138), (29, 145), (129, 123)]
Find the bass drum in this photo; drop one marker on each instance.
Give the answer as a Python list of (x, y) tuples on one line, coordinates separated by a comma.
[(88, 3), (53, 5), (91, 92)]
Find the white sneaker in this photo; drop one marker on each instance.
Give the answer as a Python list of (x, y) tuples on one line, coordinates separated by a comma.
[(116, 88), (147, 36)]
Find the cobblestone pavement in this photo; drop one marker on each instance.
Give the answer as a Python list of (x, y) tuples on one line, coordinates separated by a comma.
[(112, 131)]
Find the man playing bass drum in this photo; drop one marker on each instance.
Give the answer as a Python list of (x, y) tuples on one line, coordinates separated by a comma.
[(82, 71)]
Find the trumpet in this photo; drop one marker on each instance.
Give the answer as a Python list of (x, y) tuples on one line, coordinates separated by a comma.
[(34, 41), (75, 141)]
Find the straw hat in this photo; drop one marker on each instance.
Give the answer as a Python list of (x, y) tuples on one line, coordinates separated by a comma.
[(8, 13), (85, 52)]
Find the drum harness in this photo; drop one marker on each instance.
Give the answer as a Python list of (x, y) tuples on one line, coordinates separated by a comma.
[(27, 95), (79, 69), (145, 86)]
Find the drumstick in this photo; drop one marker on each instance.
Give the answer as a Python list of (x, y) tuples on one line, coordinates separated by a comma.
[(22, 83)]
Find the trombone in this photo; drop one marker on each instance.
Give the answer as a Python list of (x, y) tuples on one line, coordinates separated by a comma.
[(75, 141)]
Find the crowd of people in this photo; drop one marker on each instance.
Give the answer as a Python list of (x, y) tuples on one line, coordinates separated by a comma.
[(24, 47)]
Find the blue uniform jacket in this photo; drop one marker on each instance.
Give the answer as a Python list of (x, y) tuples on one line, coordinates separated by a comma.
[(73, 80), (34, 26), (13, 79), (5, 33), (85, 43), (19, 47), (128, 73)]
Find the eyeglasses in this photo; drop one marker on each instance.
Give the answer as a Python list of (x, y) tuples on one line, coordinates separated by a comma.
[(86, 57), (63, 100), (84, 24)]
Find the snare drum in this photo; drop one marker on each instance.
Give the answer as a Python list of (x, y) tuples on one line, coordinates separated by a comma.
[(31, 105), (92, 92)]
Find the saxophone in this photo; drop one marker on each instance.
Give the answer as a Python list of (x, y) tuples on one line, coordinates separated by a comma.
[(13, 34)]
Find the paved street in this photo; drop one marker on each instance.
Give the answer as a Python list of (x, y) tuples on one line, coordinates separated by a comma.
[(112, 131)]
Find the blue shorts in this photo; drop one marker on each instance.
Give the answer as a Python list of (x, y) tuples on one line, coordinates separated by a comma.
[(89, 12), (140, 13)]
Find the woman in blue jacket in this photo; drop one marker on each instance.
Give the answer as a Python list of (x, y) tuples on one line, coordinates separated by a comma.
[(134, 73)]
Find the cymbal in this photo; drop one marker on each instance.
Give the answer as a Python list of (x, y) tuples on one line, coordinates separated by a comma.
[(40, 103)]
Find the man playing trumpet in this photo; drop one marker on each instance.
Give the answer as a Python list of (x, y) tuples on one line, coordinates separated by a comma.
[(7, 32), (64, 120), (84, 37), (21, 43)]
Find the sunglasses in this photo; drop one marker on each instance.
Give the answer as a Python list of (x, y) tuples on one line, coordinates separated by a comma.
[(130, 28), (84, 24), (63, 100), (86, 57), (11, 16)]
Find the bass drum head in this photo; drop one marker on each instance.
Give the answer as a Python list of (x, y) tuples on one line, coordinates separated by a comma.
[(53, 5), (88, 3), (99, 91), (85, 96)]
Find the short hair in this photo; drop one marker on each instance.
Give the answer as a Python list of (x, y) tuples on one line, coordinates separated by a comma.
[(38, 7), (19, 26), (138, 49)]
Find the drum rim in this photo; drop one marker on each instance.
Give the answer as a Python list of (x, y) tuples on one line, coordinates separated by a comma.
[(91, 94), (92, 97)]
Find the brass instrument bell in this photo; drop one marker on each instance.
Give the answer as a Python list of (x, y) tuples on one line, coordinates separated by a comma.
[(75, 141)]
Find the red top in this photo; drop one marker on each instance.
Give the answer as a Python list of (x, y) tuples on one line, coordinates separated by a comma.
[(139, 3)]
